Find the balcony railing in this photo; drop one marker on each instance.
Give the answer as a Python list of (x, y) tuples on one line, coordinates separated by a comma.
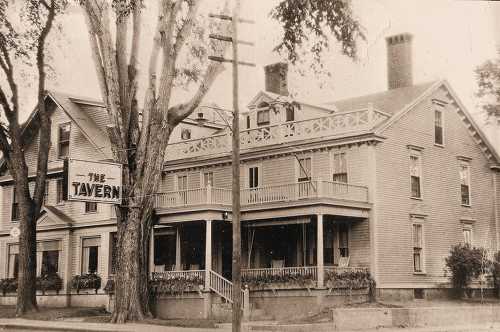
[(268, 194), (332, 125)]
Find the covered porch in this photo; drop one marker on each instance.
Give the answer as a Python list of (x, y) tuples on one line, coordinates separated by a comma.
[(304, 249)]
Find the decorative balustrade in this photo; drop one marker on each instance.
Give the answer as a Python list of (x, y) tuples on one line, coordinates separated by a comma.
[(281, 272), (266, 194), (331, 125)]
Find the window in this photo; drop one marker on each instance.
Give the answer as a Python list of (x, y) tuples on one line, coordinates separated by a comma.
[(182, 185), (417, 248), (13, 267), (339, 168), (50, 262), (64, 135), (208, 178), (465, 183), (467, 233), (304, 169), (344, 240), (290, 114), (253, 177), (438, 127), (248, 121), (165, 249), (263, 118), (415, 175), (90, 207), (113, 252), (59, 191), (15, 205), (305, 185), (185, 133), (90, 254)]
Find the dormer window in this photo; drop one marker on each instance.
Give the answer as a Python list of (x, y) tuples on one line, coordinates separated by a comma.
[(185, 134), (438, 127), (64, 135), (263, 118), (263, 114)]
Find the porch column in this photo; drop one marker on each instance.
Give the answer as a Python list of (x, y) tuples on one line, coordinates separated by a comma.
[(152, 251), (319, 247), (208, 253), (178, 249)]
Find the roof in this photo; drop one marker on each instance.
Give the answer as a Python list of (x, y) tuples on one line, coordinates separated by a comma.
[(391, 101), (88, 127), (58, 215)]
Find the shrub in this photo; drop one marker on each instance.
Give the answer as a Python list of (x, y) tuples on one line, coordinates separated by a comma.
[(175, 285), (86, 281), (291, 278), (49, 282), (8, 285), (348, 280), (495, 269), (465, 263)]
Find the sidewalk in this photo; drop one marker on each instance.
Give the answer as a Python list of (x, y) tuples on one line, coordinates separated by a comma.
[(38, 325)]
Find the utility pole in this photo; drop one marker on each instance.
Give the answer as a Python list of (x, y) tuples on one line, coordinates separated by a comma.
[(235, 160)]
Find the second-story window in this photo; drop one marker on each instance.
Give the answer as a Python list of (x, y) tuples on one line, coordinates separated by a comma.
[(253, 177), (59, 191), (64, 135), (15, 205), (438, 127), (46, 192), (304, 169), (208, 177), (416, 174), (90, 207), (263, 118), (339, 167), (185, 134), (467, 233), (464, 183), (290, 114)]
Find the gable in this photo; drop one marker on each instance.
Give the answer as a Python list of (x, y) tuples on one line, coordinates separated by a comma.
[(454, 103)]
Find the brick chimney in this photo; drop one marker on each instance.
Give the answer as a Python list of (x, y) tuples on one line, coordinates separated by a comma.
[(277, 78), (399, 61)]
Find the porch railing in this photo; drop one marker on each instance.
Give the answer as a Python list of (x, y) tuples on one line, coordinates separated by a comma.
[(336, 124), (224, 288), (281, 271), (340, 270), (188, 275), (267, 194)]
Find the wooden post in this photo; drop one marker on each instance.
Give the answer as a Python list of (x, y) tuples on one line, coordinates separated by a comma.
[(319, 247), (208, 254), (178, 249), (236, 266), (152, 252)]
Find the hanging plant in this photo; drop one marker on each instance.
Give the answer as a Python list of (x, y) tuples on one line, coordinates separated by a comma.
[(289, 278), (175, 285), (8, 285), (49, 282), (348, 280)]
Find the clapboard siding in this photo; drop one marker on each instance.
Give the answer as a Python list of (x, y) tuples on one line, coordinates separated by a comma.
[(441, 194)]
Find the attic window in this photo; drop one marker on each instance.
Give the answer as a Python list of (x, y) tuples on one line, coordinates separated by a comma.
[(64, 135), (263, 118), (185, 134)]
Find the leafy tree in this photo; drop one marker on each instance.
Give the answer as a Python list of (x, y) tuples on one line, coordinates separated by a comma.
[(488, 80), (24, 28), (181, 33), (465, 263)]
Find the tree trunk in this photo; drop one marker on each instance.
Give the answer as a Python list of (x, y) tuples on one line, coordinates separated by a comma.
[(26, 287), (131, 283)]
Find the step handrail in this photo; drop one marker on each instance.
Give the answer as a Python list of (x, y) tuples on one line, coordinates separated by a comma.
[(224, 287)]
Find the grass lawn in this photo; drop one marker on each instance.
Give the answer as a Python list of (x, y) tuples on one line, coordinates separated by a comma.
[(196, 323)]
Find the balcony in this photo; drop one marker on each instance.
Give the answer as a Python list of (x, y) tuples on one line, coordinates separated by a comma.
[(316, 189), (337, 124)]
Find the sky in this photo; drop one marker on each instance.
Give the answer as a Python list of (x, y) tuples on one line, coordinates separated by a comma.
[(451, 38)]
